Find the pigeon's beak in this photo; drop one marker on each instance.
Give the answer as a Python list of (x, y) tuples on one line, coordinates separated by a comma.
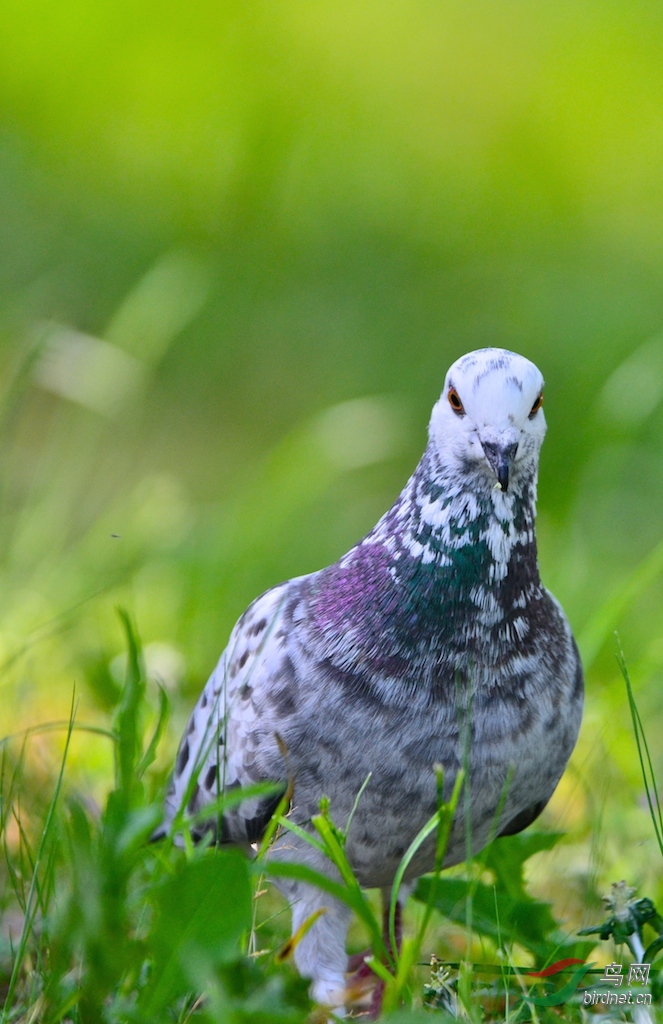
[(500, 459)]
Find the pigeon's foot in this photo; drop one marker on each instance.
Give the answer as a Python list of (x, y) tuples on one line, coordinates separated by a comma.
[(365, 992), (375, 1008), (362, 981), (357, 965)]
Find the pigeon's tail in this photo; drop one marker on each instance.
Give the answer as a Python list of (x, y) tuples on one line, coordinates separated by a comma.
[(255, 825), (197, 833), (236, 827), (164, 828), (160, 832)]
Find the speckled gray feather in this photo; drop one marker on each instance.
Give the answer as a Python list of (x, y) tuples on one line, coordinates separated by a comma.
[(431, 641)]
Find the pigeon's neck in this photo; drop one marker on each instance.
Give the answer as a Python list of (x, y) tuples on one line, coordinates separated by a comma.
[(451, 568), (452, 524)]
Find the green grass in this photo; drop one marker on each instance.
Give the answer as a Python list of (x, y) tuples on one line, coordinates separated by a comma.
[(241, 245), (100, 925), (116, 928)]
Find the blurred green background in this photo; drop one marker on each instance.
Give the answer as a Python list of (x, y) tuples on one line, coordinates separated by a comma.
[(240, 244)]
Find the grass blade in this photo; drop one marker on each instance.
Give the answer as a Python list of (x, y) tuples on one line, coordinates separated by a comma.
[(151, 752), (646, 765), (31, 908), (441, 821)]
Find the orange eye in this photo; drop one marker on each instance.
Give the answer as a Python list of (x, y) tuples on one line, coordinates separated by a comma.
[(537, 405), (455, 402)]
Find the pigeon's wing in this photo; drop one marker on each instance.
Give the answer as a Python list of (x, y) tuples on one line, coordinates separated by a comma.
[(232, 739)]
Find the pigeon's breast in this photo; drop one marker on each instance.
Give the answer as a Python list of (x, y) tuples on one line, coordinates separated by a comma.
[(415, 621), (513, 739), (498, 696)]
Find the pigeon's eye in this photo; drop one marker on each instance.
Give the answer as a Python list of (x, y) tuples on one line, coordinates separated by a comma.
[(455, 402), (537, 405)]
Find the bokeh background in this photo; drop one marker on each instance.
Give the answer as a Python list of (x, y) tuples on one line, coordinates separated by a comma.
[(240, 244)]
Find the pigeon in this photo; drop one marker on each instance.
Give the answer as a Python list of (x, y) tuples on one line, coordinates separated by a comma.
[(432, 642)]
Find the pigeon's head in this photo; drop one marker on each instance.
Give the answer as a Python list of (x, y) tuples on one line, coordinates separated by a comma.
[(489, 417)]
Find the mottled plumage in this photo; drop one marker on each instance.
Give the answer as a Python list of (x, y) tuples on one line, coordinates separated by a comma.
[(431, 641)]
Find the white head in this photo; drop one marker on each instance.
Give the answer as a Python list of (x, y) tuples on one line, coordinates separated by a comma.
[(489, 415)]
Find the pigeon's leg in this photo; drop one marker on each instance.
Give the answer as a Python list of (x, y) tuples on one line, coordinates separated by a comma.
[(378, 992), (357, 967), (320, 953), (362, 975)]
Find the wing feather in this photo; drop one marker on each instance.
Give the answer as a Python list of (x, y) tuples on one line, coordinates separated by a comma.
[(232, 737)]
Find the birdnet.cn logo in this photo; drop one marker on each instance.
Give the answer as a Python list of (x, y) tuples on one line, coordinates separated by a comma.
[(638, 975)]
